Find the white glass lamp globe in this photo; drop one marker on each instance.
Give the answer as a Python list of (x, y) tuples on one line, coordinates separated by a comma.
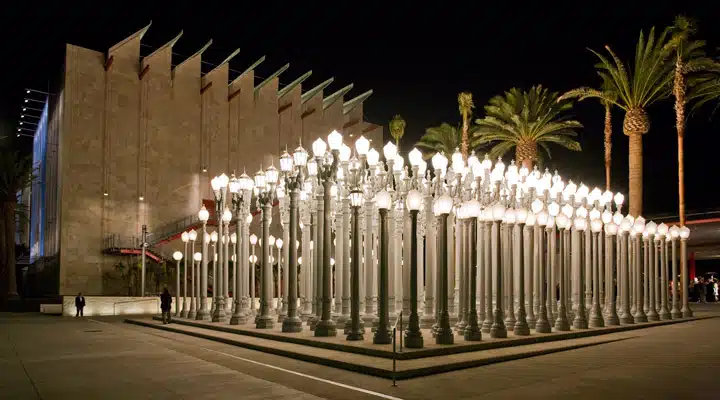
[(639, 225), (444, 204), (234, 185), (561, 221), (498, 211), (335, 140), (286, 163), (399, 163), (542, 218), (596, 225), (215, 183), (177, 256), (197, 256), (580, 224), (684, 232), (345, 153), (625, 225), (537, 206), (568, 210), (414, 200), (300, 156), (674, 232), (356, 198), (312, 168), (509, 216), (203, 214), (531, 219), (373, 157), (185, 237), (206, 237), (458, 164), (594, 214), (611, 229), (253, 239), (271, 175), (362, 145), (260, 179), (279, 243), (319, 147), (472, 160), (227, 215), (271, 240), (553, 209), (233, 238), (581, 212), (617, 218), (439, 162), (473, 208), (390, 151), (607, 197), (249, 219), (619, 199), (214, 237), (521, 214), (651, 227), (662, 229), (299, 260), (415, 157), (192, 235), (607, 217), (382, 199)]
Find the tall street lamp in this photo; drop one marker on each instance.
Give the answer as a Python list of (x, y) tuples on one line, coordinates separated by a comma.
[(472, 329), (674, 234), (327, 171), (177, 256), (202, 313), (240, 192), (382, 333), (413, 336), (265, 183), (185, 237), (444, 335), (293, 173), (219, 186), (684, 235)]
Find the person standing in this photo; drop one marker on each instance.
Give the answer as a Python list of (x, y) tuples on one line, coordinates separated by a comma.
[(165, 302), (79, 305)]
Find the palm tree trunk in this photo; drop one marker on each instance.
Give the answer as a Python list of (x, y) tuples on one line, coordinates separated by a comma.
[(679, 89), (608, 144), (464, 144), (635, 177), (526, 153)]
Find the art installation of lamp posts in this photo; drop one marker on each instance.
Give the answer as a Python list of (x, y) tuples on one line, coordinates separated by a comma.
[(375, 237)]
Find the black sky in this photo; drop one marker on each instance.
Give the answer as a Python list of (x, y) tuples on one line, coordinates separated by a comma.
[(415, 58)]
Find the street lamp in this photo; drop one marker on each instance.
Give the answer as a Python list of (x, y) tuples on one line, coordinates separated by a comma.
[(382, 333), (177, 256), (472, 329), (265, 182), (185, 237), (684, 234), (626, 316), (674, 235), (413, 336), (241, 194), (219, 186), (253, 260), (202, 314)]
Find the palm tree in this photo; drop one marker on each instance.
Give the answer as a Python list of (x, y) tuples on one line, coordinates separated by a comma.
[(444, 139), (647, 82), (525, 120), (689, 59), (466, 105), (15, 175), (606, 97), (705, 90), (397, 129)]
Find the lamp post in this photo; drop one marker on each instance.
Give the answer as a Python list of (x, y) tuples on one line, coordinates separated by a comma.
[(219, 185), (327, 171), (253, 260), (356, 202), (413, 336), (472, 329), (382, 333), (626, 316), (265, 182), (611, 316), (214, 253), (664, 311), (240, 192), (521, 327), (542, 325), (202, 313), (596, 317), (639, 229), (498, 330), (674, 234), (443, 206), (177, 256), (293, 174), (684, 234), (190, 313), (561, 323), (185, 237), (281, 302)]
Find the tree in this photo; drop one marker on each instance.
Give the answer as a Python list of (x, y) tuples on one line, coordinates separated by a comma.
[(466, 105), (690, 59), (525, 120), (444, 139), (647, 82), (15, 174), (606, 98), (397, 129)]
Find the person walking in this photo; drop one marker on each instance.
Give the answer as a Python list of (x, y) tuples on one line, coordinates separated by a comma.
[(165, 302), (79, 305)]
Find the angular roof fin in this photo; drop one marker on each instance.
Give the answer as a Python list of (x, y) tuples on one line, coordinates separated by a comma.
[(271, 77), (294, 83), (248, 69), (310, 93), (352, 103), (328, 101)]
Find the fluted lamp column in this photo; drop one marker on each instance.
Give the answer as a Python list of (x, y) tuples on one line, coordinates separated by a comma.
[(626, 316), (177, 256), (444, 334), (542, 324), (521, 327), (413, 336), (202, 313), (674, 234), (382, 333), (684, 235), (356, 202), (472, 329), (265, 182), (596, 316), (498, 329), (185, 237)]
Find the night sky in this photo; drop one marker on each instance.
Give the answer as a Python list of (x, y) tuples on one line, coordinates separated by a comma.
[(415, 59)]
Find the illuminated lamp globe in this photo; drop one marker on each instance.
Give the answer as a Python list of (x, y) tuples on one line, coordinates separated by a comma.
[(335, 140), (611, 229), (542, 218), (312, 168), (197, 256), (509, 217), (233, 238), (319, 147), (300, 156), (498, 211), (271, 175), (444, 205), (568, 210), (253, 239), (249, 219), (177, 256), (362, 145), (414, 200), (439, 162), (537, 206), (531, 219), (607, 217), (619, 199), (521, 215), (356, 198), (684, 232), (373, 157), (214, 237), (382, 200), (580, 224), (227, 215), (206, 237), (562, 221), (234, 184), (617, 218), (625, 225), (596, 225), (473, 208), (651, 227), (192, 235), (674, 232), (286, 162), (185, 237), (458, 164), (345, 153), (260, 179), (271, 240), (398, 163), (279, 243), (662, 229), (390, 151), (203, 214), (594, 214), (415, 157)]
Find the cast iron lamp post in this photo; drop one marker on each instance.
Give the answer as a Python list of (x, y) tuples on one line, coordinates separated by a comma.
[(265, 182), (177, 256), (443, 206), (674, 234), (472, 329), (219, 186), (185, 237), (413, 336), (202, 313), (684, 235), (382, 333), (241, 192)]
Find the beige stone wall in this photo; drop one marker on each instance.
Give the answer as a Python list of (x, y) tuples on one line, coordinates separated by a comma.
[(141, 128)]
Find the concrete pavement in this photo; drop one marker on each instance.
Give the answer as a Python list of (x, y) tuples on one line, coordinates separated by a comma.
[(44, 357)]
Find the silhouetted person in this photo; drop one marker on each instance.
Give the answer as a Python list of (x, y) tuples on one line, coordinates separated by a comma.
[(165, 302), (79, 305)]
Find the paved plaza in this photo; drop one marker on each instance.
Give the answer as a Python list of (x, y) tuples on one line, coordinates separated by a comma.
[(45, 357)]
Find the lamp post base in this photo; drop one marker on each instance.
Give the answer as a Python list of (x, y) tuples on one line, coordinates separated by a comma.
[(542, 326), (239, 319), (382, 336), (413, 339), (687, 313), (676, 314), (611, 319), (355, 336), (325, 328), (292, 324), (264, 322)]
